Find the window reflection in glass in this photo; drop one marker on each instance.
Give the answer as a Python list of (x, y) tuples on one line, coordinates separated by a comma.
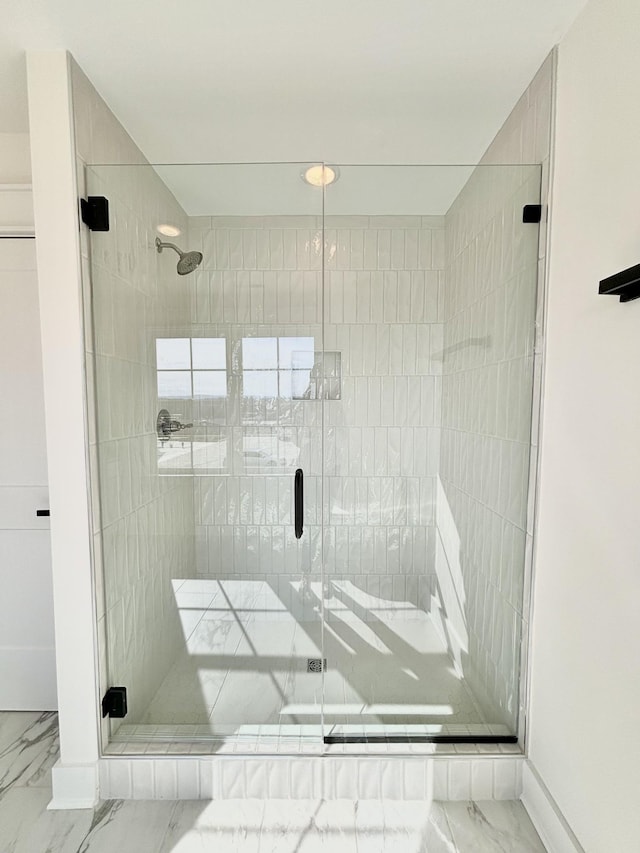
[(174, 384), (191, 367), (275, 368), (173, 353), (192, 386), (209, 353), (296, 353), (209, 383), (241, 398), (259, 353), (260, 383)]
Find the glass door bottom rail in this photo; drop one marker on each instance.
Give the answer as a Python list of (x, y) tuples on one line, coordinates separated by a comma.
[(202, 739), (437, 738)]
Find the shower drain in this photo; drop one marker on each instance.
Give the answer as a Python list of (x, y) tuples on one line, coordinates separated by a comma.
[(316, 664)]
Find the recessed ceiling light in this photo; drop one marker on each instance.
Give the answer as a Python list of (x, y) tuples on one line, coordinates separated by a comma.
[(321, 176), (168, 230)]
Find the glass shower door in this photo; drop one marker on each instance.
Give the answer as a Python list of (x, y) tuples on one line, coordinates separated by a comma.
[(430, 303), (208, 411)]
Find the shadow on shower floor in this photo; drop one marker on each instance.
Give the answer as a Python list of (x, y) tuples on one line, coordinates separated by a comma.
[(243, 682)]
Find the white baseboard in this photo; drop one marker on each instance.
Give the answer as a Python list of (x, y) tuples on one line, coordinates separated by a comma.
[(74, 786), (550, 823)]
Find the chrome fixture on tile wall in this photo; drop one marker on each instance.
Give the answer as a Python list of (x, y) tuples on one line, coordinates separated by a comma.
[(188, 262), (166, 425)]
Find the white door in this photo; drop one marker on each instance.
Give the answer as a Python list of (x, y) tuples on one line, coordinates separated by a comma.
[(27, 657)]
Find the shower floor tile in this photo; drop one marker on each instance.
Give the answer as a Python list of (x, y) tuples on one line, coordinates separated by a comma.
[(244, 665)]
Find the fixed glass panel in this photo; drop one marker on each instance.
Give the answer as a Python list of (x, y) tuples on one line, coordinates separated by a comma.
[(208, 402), (430, 305)]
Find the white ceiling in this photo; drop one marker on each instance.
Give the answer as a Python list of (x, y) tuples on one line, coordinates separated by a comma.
[(360, 81), (278, 189)]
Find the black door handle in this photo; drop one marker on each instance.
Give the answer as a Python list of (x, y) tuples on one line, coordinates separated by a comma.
[(298, 501)]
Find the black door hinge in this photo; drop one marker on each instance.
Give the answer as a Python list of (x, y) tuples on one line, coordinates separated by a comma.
[(95, 212), (532, 213), (114, 703)]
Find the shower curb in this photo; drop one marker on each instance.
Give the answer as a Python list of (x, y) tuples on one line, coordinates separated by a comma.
[(311, 777)]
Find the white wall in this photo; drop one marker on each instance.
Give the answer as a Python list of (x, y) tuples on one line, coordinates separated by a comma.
[(27, 655), (15, 158), (585, 703)]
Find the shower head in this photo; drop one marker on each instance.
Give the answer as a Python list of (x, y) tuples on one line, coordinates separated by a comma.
[(188, 260)]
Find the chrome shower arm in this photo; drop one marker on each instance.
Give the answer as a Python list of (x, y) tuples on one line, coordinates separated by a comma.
[(160, 246)]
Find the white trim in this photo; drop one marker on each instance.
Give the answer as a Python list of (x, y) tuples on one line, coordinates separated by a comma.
[(551, 825), (15, 188), (74, 786), (7, 231), (55, 200), (71, 805)]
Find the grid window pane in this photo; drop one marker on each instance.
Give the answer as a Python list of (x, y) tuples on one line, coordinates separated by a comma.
[(209, 353), (296, 352), (209, 383), (260, 383), (174, 383), (259, 353), (173, 353)]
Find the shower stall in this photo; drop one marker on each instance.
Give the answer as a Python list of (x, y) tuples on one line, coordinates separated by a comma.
[(311, 458)]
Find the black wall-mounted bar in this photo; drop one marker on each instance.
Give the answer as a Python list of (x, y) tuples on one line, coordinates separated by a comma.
[(94, 211), (298, 502), (43, 513), (625, 284)]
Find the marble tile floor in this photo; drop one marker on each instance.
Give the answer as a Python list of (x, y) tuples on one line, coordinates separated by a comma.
[(28, 749), (244, 662)]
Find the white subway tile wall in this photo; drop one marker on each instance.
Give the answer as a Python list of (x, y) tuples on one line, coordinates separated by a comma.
[(262, 278), (143, 523), (487, 395)]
